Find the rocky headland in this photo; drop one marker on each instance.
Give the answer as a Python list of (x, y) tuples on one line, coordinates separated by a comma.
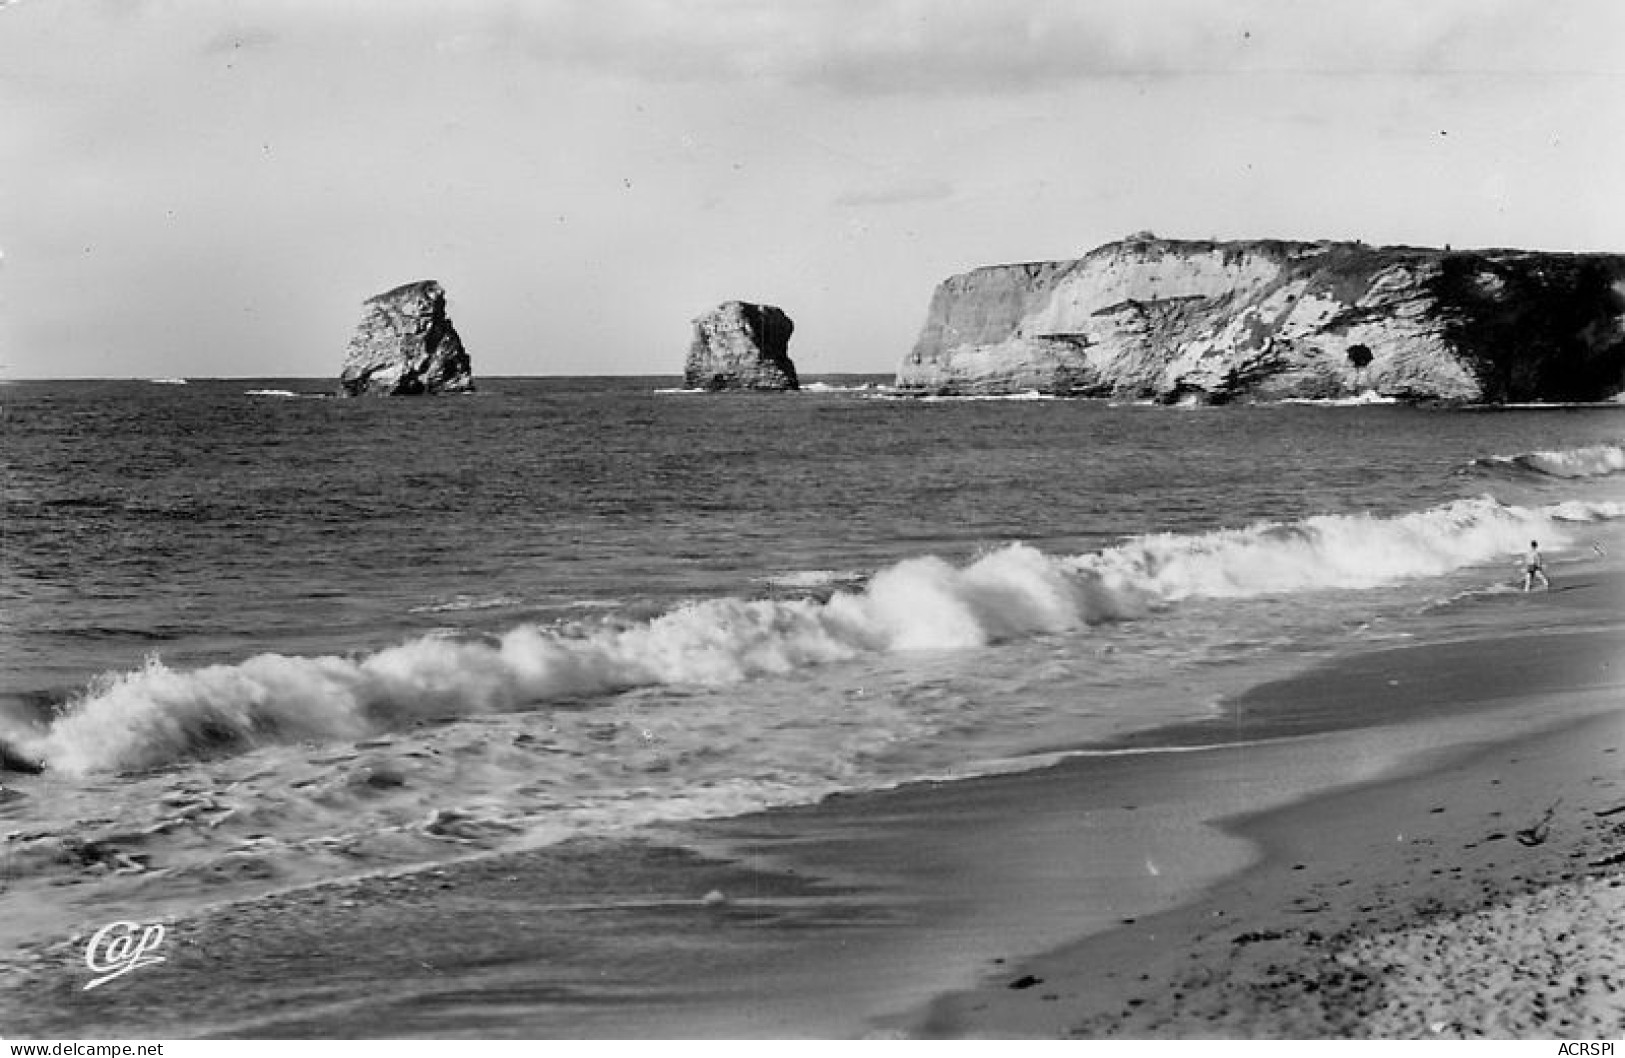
[(1212, 322), (406, 346), (738, 345)]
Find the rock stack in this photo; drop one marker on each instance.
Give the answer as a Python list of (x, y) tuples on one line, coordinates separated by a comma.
[(405, 346), (738, 345)]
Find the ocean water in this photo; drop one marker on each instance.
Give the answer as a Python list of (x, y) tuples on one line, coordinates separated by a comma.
[(257, 635)]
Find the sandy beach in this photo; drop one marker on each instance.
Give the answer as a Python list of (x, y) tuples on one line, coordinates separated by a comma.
[(851, 520), (1478, 896), (1472, 891), (1411, 842)]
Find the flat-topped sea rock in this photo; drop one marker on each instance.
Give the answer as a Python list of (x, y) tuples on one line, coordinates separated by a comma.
[(406, 346), (1172, 320), (738, 345)]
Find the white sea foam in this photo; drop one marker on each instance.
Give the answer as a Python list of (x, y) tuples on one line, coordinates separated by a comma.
[(1587, 462), (810, 387), (285, 394), (1362, 399), (934, 398), (156, 715), (167, 381), (828, 387), (1335, 551), (813, 578), (1025, 395)]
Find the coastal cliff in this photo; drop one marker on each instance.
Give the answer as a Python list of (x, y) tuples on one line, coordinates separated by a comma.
[(406, 346), (1149, 318), (738, 345)]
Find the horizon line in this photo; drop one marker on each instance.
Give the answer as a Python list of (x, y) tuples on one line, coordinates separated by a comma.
[(161, 379)]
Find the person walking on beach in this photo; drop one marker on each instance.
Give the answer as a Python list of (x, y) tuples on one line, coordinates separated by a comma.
[(1534, 566)]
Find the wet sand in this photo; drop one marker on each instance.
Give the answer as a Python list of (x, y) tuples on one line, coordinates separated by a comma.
[(1368, 873), (1478, 891), (1471, 898)]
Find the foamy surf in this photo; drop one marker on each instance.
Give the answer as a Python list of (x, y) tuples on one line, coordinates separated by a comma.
[(830, 387), (1336, 551), (1359, 400), (155, 715), (1590, 461), (964, 398), (810, 579), (809, 387), (285, 394)]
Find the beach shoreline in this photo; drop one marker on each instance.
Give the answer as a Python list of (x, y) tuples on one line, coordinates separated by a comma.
[(1446, 902), (1473, 890), (1010, 904), (977, 907)]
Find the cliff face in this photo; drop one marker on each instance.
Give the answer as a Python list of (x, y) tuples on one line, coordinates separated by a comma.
[(405, 346), (738, 345), (1221, 321)]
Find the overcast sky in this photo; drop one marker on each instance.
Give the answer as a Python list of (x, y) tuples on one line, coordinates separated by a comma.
[(189, 187)]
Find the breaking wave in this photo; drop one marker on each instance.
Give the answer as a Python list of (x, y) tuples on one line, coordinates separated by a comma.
[(936, 398), (807, 387), (156, 715), (1361, 399), (832, 387), (1336, 551), (1589, 462), (806, 579), (285, 394)]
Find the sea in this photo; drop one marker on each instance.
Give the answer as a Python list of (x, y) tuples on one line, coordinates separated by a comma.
[(254, 635)]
